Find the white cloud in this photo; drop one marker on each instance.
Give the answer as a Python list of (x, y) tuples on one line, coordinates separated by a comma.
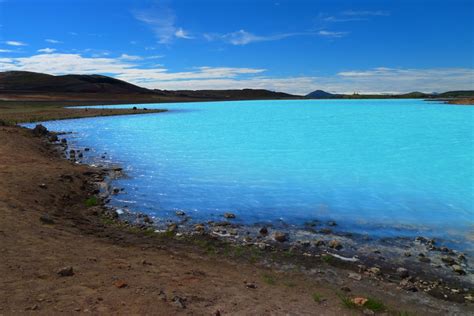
[(376, 80), (5, 51), (15, 43), (162, 20), (46, 50), (332, 34), (130, 57), (180, 33), (52, 41)]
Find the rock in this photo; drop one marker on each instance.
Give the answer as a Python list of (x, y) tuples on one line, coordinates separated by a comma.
[(462, 257), (332, 223), (172, 227), (367, 311), (66, 271), (407, 254), (325, 231), (199, 227), (53, 138), (345, 289), (120, 284), (250, 285), (134, 108), (359, 301), (64, 141), (40, 130), (115, 191), (263, 231), (458, 269), (319, 243), (469, 298), (229, 215), (86, 149), (179, 302), (355, 276), (46, 219), (449, 260), (43, 186), (180, 213), (402, 272), (280, 237), (147, 219), (375, 270), (335, 244), (424, 259), (162, 296)]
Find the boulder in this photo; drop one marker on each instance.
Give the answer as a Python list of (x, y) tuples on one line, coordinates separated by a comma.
[(458, 269), (40, 130), (263, 231), (402, 272), (280, 237)]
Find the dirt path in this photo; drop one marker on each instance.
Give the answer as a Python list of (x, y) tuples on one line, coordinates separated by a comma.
[(45, 226)]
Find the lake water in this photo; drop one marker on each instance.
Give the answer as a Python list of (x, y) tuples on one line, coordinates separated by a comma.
[(377, 167)]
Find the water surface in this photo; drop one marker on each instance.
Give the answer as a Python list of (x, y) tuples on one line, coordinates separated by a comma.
[(378, 167)]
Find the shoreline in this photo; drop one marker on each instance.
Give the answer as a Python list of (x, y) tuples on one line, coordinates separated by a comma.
[(99, 223)]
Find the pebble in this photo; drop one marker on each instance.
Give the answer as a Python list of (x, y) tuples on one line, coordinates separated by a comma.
[(458, 269), (374, 270), (402, 272), (179, 302), (447, 259), (66, 271), (229, 215), (180, 213), (46, 219), (120, 284), (355, 276)]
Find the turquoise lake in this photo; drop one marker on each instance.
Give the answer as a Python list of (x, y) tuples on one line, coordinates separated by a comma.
[(378, 167)]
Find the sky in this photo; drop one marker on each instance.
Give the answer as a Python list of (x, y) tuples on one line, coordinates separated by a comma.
[(294, 46)]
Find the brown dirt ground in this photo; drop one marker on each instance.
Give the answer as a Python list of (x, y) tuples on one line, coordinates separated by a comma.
[(101, 255)]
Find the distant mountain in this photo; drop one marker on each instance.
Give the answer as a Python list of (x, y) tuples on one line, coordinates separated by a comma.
[(22, 85), (456, 94), (320, 94), (37, 82)]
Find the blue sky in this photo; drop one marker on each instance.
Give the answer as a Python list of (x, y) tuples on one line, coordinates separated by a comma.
[(292, 46)]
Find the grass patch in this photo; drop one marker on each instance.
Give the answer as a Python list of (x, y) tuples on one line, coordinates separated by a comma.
[(346, 301), (327, 258), (92, 201), (269, 279), (374, 305), (317, 298)]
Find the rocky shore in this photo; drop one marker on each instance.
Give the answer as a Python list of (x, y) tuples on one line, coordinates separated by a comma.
[(64, 250)]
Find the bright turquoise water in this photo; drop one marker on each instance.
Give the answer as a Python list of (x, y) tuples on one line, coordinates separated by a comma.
[(383, 167)]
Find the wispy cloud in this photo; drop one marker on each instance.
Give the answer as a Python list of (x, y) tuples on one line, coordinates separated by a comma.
[(52, 41), (365, 13), (162, 21), (243, 37), (6, 51), (15, 43), (46, 50), (332, 34), (376, 80)]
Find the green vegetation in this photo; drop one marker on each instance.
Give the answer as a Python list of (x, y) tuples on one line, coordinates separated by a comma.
[(327, 258), (317, 298), (374, 305), (346, 301), (269, 279), (92, 201)]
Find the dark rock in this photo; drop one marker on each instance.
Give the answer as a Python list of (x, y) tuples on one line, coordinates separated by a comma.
[(199, 228), (179, 302), (134, 108), (53, 138), (407, 254), (345, 289), (147, 219), (86, 149), (40, 130), (449, 260), (66, 271), (332, 223), (335, 244), (46, 219), (116, 191), (402, 272), (229, 215), (43, 186), (250, 285), (280, 237), (63, 141), (263, 231), (319, 243), (180, 213), (424, 259), (162, 296)]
